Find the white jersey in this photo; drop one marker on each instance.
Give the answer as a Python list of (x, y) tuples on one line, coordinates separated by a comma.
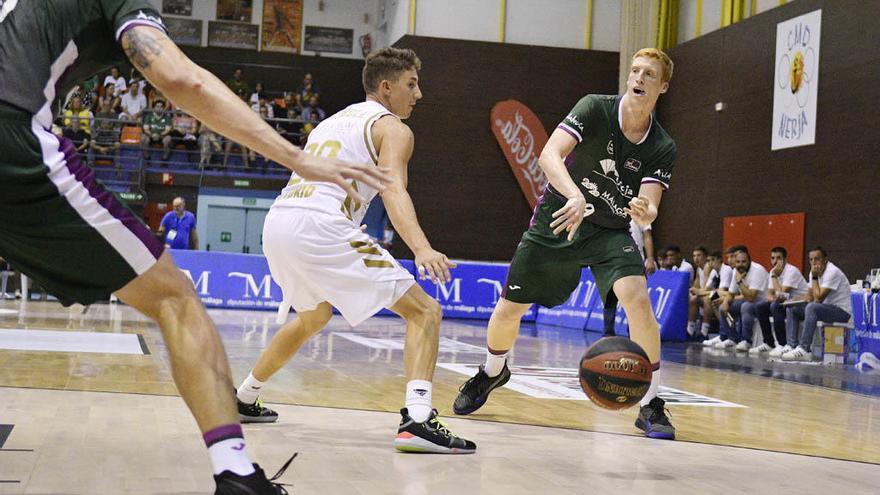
[(347, 136)]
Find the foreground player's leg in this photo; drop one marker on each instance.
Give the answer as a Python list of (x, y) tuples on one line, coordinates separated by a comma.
[(200, 370), (283, 346), (420, 430), (632, 291), (501, 335)]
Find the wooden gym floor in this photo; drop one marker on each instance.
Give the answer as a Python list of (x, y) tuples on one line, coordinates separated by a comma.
[(87, 406)]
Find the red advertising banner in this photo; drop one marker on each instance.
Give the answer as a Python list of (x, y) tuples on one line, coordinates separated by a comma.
[(521, 137)]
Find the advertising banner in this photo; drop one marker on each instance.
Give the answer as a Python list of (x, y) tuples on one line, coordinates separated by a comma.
[(521, 137), (796, 85)]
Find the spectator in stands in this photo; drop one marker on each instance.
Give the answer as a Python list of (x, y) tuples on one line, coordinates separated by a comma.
[(105, 138), (263, 108), (178, 227), (237, 84), (786, 282), (85, 96), (83, 114), (133, 103), (695, 298), (711, 273), (108, 102), (257, 94), (184, 130), (77, 134), (157, 130), (312, 109), (829, 300), (308, 127), (306, 90), (118, 82), (209, 143), (726, 281), (676, 263), (749, 288)]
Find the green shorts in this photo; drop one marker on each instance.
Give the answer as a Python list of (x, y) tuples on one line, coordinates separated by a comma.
[(58, 224), (546, 274)]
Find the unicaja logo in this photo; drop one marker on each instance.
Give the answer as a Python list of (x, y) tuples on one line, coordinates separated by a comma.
[(521, 137)]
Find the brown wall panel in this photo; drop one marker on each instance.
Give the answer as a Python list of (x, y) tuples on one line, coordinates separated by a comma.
[(729, 154)]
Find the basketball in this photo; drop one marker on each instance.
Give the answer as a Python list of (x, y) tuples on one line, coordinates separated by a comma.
[(615, 373)]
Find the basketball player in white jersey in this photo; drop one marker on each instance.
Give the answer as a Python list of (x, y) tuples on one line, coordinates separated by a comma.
[(321, 259)]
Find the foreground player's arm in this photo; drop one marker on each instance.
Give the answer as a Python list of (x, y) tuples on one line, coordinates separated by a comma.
[(205, 97), (395, 142), (650, 264), (552, 162), (643, 209)]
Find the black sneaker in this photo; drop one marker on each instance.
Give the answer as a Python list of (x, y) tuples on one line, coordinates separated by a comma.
[(229, 483), (255, 413), (474, 393), (654, 421), (430, 436)]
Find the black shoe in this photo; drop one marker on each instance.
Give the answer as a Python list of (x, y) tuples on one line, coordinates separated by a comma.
[(654, 421), (430, 436), (255, 413), (229, 483), (474, 392)]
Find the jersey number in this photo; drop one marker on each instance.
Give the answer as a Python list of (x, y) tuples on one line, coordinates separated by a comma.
[(327, 149)]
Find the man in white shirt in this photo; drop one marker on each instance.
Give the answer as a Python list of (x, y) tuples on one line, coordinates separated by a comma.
[(719, 281), (829, 299), (786, 283), (133, 103), (695, 296), (116, 80), (749, 287), (676, 263)]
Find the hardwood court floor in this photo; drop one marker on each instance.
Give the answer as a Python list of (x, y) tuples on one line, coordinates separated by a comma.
[(799, 438)]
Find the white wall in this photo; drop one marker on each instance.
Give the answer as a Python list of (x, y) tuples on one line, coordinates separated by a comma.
[(606, 25), (459, 19), (392, 21), (539, 22)]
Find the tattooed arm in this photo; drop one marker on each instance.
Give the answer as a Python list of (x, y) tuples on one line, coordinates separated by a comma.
[(206, 98)]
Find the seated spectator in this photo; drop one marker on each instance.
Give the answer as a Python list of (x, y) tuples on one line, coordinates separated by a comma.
[(695, 297), (105, 139), (83, 114), (157, 130), (133, 103), (263, 108), (117, 81), (786, 282), (185, 131), (306, 91), (718, 275), (749, 287), (108, 102), (258, 93), (237, 84), (209, 143), (313, 109), (77, 134), (829, 300), (676, 263), (722, 303), (136, 77), (86, 97)]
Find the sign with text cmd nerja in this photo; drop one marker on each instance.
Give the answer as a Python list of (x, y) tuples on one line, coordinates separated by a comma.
[(796, 85), (521, 137)]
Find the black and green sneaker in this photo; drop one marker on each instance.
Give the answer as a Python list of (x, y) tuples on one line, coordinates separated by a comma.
[(256, 483), (255, 413), (654, 421), (474, 392), (430, 436)]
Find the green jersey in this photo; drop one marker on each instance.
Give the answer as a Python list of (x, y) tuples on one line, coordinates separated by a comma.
[(40, 40), (606, 166), (157, 124)]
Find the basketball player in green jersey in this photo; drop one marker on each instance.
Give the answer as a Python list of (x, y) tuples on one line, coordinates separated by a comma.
[(623, 162)]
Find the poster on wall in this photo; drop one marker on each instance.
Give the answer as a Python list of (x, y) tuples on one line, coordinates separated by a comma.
[(232, 35), (327, 39), (282, 25), (235, 10), (184, 31), (177, 7), (796, 83), (521, 136)]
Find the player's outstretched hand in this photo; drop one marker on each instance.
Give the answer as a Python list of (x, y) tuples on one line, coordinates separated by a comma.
[(341, 173), (569, 217), (434, 265), (641, 211)]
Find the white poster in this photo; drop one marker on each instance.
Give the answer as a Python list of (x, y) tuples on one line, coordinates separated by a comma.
[(796, 85)]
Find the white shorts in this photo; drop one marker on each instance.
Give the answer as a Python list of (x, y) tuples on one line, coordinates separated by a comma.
[(316, 257)]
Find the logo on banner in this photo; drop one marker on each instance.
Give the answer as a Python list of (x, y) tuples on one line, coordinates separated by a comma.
[(796, 82), (521, 137)]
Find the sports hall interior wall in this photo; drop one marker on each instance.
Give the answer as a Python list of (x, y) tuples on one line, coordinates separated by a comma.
[(465, 194), (725, 166)]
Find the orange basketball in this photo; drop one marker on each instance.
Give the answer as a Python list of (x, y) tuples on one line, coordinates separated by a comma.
[(615, 373)]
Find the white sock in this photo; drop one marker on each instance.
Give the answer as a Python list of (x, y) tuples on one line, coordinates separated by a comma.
[(494, 363), (705, 329), (230, 455), (652, 390), (691, 325), (418, 400), (249, 389)]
